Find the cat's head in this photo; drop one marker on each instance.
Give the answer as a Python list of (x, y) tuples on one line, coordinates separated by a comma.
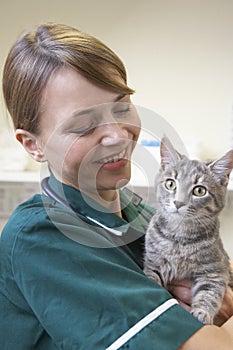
[(191, 187)]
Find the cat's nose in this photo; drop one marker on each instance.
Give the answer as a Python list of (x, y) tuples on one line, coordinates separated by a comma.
[(179, 204)]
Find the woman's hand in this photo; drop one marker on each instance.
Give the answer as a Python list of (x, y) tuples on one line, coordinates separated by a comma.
[(226, 310), (181, 290)]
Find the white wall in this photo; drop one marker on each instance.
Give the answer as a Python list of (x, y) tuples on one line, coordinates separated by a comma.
[(179, 57), (178, 53)]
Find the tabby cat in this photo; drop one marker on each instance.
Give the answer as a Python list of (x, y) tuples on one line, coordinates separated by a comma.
[(182, 240)]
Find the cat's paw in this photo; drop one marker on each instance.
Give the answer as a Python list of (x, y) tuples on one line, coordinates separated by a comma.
[(202, 315)]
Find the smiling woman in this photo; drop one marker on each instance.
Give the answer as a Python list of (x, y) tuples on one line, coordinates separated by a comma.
[(82, 132), (38, 54), (70, 104)]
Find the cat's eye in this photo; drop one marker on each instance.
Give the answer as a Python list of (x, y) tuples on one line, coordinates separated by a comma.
[(199, 191), (170, 184)]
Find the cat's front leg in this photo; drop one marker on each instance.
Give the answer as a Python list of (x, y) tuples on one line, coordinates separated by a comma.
[(207, 299)]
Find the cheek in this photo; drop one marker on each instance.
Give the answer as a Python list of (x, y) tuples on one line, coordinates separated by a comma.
[(75, 154), (136, 132), (136, 128), (165, 197), (63, 152), (133, 124)]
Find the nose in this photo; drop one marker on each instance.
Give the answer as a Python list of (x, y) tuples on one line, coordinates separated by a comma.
[(179, 204), (112, 134)]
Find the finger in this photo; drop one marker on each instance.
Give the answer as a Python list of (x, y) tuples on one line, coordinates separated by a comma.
[(220, 318), (226, 310), (228, 298), (181, 293)]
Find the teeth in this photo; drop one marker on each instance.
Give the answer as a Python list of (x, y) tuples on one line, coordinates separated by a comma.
[(114, 159)]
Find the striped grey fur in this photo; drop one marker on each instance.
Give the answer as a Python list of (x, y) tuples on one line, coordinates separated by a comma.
[(182, 240)]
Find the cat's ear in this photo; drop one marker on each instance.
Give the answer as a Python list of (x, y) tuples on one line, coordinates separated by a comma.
[(221, 168), (169, 155)]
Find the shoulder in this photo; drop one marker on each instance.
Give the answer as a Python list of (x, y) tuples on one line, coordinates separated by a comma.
[(26, 214), (28, 224), (40, 225)]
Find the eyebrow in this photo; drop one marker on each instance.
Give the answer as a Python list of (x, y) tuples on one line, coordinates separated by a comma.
[(89, 110)]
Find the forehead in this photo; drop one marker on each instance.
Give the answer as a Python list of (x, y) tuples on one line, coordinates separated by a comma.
[(68, 92), (188, 171), (66, 83)]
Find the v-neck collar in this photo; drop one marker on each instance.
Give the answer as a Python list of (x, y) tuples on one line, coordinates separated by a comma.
[(87, 207)]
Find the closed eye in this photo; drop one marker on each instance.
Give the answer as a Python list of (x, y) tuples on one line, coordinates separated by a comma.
[(121, 108), (122, 111), (84, 131)]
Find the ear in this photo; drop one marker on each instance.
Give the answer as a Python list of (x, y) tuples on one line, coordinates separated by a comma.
[(169, 155), (222, 167), (30, 143)]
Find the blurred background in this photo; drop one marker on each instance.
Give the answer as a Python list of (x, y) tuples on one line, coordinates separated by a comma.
[(179, 59)]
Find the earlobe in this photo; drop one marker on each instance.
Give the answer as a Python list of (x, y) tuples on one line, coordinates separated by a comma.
[(30, 143)]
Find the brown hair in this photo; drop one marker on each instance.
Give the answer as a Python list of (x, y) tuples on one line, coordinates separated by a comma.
[(37, 54)]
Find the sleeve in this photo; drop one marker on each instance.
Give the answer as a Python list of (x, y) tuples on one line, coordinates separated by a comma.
[(94, 298)]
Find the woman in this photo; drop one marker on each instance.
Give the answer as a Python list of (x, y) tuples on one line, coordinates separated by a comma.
[(71, 274)]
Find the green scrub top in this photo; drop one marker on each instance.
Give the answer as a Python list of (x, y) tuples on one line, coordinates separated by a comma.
[(66, 284)]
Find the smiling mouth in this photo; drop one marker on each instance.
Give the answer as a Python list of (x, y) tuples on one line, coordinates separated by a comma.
[(113, 159)]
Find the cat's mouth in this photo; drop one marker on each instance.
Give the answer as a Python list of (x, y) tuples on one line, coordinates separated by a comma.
[(176, 211)]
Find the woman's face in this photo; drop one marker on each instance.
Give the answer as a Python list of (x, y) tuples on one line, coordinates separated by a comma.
[(87, 133)]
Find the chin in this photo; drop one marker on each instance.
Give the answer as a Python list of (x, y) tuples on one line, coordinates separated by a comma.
[(122, 183), (113, 185)]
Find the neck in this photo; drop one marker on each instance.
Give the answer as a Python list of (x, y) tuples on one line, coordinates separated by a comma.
[(109, 199)]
